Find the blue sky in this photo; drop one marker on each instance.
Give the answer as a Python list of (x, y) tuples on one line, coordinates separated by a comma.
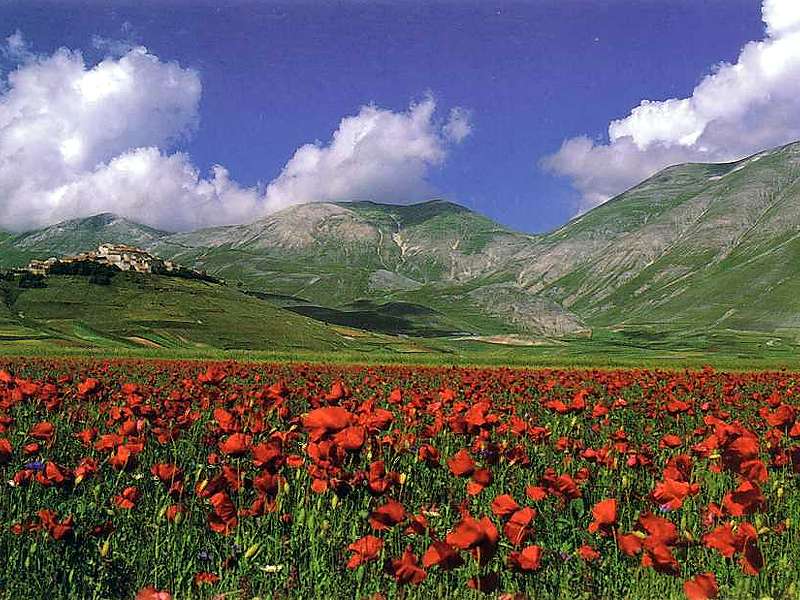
[(531, 74)]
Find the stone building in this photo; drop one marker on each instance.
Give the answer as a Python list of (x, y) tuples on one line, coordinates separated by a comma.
[(121, 256)]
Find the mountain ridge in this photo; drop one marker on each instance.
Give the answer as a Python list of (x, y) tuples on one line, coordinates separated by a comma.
[(662, 252)]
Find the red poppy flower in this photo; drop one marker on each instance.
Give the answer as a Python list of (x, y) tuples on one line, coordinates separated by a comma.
[(536, 493), (504, 506), (588, 553), (237, 444), (407, 570), (205, 578), (745, 500), (751, 559), (629, 544), (42, 431), (365, 549), (351, 438), (173, 511), (429, 454), (387, 516), (328, 418), (418, 524), (517, 529), (166, 472), (670, 493), (122, 459), (151, 593), (266, 454), (670, 441), (529, 559), (605, 517), (6, 451), (659, 530), (563, 486), (480, 537), (88, 387), (223, 519), (128, 498), (659, 556), (702, 587), (481, 478), (58, 530), (461, 464), (442, 555), (213, 375), (337, 392)]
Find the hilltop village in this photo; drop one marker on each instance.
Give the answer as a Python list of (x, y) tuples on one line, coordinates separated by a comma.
[(108, 259), (121, 256)]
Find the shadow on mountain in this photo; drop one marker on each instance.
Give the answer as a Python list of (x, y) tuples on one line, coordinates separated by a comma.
[(395, 318)]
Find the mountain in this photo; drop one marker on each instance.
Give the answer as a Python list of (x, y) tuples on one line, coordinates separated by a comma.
[(437, 258), (75, 235), (696, 248), (695, 245)]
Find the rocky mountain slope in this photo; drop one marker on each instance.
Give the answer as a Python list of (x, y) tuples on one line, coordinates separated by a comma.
[(695, 246), (436, 255)]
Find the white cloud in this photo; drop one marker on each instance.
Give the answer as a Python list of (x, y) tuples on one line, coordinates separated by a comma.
[(459, 126), (78, 139), (376, 154), (737, 110), (16, 48)]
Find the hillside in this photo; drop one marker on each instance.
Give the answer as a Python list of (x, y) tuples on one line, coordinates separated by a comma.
[(701, 245), (73, 236), (693, 250), (147, 311), (436, 256)]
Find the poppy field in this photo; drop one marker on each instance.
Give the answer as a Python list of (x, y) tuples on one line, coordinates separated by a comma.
[(158, 480)]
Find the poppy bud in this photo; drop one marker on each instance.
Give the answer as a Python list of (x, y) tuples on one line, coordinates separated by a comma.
[(252, 551), (105, 548), (334, 501)]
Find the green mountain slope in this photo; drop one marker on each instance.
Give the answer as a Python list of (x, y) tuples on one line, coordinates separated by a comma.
[(73, 236), (693, 250), (139, 310), (437, 255), (717, 251)]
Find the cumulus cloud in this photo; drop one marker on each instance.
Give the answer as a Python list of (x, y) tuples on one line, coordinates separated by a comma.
[(735, 111), (16, 47), (375, 154), (78, 139)]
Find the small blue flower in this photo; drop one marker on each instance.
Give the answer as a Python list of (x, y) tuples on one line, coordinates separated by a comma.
[(35, 465), (204, 555)]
